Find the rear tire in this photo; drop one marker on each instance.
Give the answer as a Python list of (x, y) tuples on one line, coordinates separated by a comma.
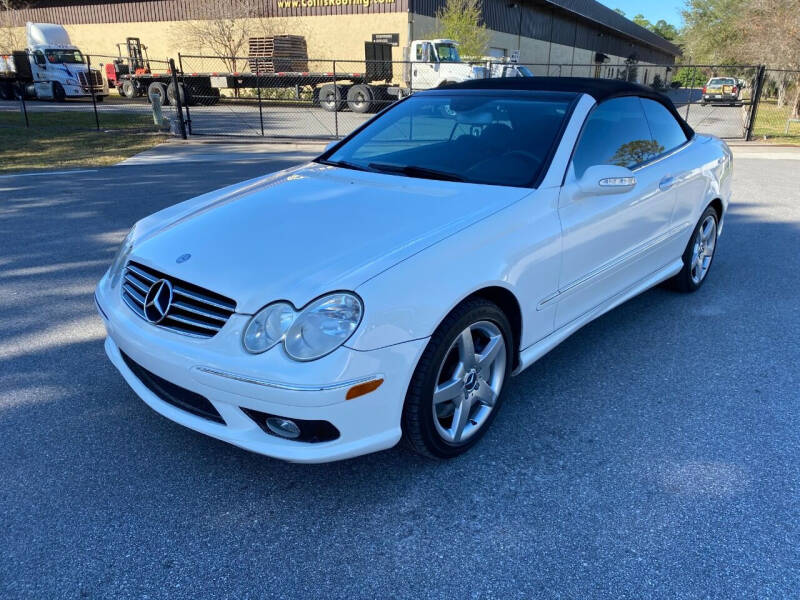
[(161, 90), (331, 97), (173, 96), (455, 391), (360, 98), (698, 255)]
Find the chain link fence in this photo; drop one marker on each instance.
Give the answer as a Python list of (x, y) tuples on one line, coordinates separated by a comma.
[(778, 111), (77, 93), (327, 99)]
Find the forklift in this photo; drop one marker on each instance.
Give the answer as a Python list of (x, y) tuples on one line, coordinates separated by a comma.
[(134, 62)]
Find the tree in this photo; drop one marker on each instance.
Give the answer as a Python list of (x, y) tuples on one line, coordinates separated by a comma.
[(668, 31), (711, 32), (689, 77), (12, 36), (770, 34), (462, 21), (222, 29), (641, 21)]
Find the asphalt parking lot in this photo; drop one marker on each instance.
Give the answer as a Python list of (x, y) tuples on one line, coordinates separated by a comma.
[(652, 455)]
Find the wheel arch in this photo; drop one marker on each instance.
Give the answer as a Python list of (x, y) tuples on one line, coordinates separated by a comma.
[(507, 301), (716, 204)]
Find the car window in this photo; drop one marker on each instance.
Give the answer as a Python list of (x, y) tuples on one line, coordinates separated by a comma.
[(495, 139), (616, 133), (665, 130)]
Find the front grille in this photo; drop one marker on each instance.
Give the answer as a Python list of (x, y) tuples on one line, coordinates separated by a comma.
[(173, 394), (97, 79), (194, 311)]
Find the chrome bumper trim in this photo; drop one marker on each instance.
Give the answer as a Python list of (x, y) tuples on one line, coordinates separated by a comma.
[(291, 387)]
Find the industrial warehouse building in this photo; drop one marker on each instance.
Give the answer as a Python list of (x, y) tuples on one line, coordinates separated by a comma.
[(547, 33)]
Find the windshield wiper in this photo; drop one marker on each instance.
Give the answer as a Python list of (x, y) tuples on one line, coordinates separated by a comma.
[(415, 171), (344, 164)]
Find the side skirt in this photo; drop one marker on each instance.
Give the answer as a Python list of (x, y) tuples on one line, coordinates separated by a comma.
[(534, 352)]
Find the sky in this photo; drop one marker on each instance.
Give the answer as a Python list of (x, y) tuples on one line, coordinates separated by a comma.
[(669, 10)]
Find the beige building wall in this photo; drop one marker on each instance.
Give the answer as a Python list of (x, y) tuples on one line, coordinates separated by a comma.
[(327, 36), (342, 37)]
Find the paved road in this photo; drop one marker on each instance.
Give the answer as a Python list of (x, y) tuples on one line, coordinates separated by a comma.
[(245, 119), (652, 455)]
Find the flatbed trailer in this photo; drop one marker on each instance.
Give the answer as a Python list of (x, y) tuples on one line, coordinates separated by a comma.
[(362, 92)]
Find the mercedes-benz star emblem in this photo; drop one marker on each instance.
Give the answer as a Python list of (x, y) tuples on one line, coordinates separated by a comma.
[(158, 301)]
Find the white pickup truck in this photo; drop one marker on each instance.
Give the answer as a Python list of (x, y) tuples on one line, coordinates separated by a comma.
[(50, 68)]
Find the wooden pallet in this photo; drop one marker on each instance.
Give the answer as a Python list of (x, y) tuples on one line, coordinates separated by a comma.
[(279, 53)]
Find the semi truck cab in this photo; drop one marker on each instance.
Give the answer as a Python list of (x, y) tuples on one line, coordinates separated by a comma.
[(58, 69)]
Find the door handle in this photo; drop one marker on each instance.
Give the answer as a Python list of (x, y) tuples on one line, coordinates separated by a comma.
[(666, 183)]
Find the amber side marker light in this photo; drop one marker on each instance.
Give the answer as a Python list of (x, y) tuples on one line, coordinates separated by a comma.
[(363, 388)]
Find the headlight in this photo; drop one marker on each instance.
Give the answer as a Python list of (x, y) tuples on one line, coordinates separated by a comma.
[(121, 258), (268, 327), (315, 331)]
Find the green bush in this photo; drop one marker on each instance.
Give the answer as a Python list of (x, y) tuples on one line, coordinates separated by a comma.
[(689, 77)]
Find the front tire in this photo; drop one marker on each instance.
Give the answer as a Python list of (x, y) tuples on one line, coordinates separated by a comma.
[(455, 391), (699, 254), (59, 95)]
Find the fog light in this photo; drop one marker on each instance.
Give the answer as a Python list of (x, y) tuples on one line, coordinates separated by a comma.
[(283, 427)]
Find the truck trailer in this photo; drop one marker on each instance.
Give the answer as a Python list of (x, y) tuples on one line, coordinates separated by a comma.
[(430, 63)]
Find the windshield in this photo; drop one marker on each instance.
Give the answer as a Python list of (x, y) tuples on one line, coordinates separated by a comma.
[(722, 81), (447, 53), (64, 56), (496, 139)]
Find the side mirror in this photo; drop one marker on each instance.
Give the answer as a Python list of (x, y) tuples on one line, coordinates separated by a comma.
[(330, 145), (601, 180)]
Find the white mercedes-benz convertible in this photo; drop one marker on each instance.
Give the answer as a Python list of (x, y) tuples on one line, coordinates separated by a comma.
[(391, 287)]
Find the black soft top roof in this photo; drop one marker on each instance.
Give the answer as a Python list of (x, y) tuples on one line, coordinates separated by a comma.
[(599, 89)]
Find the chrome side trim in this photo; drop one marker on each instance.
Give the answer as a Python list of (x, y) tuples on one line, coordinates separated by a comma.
[(603, 269), (291, 387), (530, 354)]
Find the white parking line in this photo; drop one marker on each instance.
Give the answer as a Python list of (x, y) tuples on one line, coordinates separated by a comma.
[(49, 173)]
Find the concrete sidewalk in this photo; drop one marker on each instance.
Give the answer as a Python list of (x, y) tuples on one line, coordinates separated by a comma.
[(222, 151), (764, 151)]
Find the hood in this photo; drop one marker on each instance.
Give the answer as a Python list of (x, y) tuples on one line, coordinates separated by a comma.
[(307, 231)]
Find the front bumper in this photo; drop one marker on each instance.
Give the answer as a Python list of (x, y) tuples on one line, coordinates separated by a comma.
[(232, 380)]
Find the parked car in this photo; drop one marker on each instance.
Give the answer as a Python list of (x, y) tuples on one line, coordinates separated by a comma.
[(391, 287), (722, 90)]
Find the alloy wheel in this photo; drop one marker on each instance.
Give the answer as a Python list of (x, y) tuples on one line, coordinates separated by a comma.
[(469, 382), (703, 249)]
